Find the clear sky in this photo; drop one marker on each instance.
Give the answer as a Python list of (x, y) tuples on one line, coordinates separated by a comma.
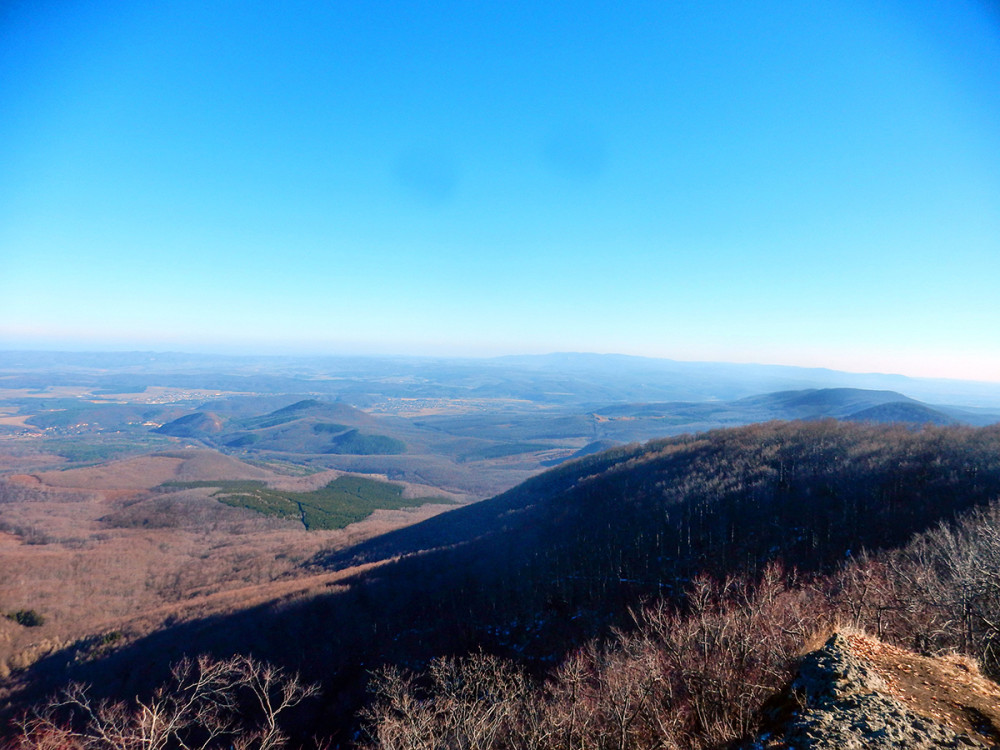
[(811, 183)]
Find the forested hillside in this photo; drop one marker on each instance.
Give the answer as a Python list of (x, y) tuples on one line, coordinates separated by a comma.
[(635, 520), (725, 527)]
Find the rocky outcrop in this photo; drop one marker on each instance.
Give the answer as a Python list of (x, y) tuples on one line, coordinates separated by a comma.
[(857, 692)]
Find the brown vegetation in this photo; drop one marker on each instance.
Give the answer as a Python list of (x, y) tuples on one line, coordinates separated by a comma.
[(539, 574), (685, 679), (96, 551), (146, 472), (698, 676), (233, 704), (948, 690)]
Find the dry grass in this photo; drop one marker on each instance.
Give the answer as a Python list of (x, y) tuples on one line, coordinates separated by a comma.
[(146, 472), (24, 455), (95, 551), (948, 691)]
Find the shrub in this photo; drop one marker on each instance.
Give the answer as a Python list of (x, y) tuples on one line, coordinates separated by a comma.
[(27, 617)]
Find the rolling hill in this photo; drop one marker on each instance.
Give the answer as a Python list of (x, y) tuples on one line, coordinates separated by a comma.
[(820, 403), (199, 424), (903, 412), (536, 571), (720, 501), (307, 426)]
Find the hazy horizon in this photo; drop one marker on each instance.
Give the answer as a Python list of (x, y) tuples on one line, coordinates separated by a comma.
[(776, 183), (82, 349)]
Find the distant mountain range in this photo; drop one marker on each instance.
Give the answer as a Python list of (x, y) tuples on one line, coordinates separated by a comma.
[(562, 379), (318, 431), (468, 427), (853, 404)]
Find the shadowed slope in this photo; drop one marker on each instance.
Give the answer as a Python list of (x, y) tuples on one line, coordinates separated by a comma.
[(537, 570), (912, 413)]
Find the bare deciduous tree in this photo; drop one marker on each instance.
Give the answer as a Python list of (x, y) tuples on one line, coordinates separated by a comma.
[(953, 573), (474, 703), (206, 704), (677, 680)]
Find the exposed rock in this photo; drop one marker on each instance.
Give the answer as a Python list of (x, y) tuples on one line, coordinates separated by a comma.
[(856, 692)]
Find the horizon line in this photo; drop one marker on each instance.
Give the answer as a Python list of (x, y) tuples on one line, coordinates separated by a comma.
[(477, 357)]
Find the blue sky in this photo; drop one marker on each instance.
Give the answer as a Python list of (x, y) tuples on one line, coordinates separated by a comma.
[(778, 182)]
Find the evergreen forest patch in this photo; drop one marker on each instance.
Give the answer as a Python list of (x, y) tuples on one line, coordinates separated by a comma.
[(345, 500)]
